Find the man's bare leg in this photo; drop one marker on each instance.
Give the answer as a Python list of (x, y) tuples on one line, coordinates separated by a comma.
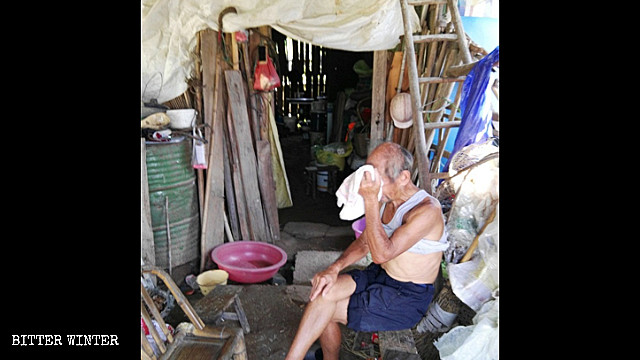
[(320, 318), (330, 340)]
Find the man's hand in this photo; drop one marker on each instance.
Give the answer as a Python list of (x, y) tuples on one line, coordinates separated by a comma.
[(370, 185), (322, 282)]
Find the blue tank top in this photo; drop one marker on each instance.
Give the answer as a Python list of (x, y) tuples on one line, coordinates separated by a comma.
[(424, 246)]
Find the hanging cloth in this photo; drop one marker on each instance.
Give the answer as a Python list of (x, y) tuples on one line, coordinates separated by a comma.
[(475, 105)]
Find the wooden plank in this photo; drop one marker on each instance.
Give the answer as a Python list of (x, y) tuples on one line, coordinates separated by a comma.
[(215, 303), (229, 193), (378, 98), (237, 105), (147, 246), (212, 224), (245, 233), (268, 188)]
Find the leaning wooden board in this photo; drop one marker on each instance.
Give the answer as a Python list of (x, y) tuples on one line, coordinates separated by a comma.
[(212, 219), (248, 167)]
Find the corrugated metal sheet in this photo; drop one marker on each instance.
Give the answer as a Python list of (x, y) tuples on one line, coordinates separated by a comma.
[(170, 174)]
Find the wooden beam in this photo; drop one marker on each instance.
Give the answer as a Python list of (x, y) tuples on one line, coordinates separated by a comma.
[(238, 107), (378, 98), (212, 224)]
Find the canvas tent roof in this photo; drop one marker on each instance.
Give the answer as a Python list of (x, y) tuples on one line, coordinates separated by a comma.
[(169, 28)]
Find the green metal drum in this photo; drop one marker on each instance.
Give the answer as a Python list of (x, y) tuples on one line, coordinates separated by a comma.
[(171, 175)]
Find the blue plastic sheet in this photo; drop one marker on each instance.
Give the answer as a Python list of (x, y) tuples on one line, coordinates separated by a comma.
[(476, 110)]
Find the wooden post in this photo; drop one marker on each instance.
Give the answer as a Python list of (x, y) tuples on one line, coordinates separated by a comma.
[(212, 224), (378, 98)]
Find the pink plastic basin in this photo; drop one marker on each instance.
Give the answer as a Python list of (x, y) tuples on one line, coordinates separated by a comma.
[(358, 226), (249, 261)]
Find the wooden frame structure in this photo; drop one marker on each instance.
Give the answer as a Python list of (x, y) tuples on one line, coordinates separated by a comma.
[(193, 340)]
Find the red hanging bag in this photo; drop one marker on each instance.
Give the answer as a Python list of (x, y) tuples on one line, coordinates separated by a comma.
[(265, 76)]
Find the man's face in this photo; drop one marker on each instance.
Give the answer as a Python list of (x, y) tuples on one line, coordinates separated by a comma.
[(376, 159)]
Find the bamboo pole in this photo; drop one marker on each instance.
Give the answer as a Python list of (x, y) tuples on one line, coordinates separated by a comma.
[(418, 126), (474, 243), (462, 38)]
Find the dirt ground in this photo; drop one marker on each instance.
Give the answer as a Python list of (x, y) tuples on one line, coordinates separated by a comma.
[(274, 312)]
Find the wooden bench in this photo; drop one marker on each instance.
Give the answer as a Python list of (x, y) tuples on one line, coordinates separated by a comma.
[(193, 339), (214, 306)]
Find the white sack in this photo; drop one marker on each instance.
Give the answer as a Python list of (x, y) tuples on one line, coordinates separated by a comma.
[(480, 341), (169, 28)]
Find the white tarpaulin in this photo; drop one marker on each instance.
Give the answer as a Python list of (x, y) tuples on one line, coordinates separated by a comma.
[(169, 28)]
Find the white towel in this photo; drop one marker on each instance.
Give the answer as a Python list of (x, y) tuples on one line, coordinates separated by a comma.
[(348, 196)]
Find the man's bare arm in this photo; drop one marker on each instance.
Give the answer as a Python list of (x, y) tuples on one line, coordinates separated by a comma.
[(324, 280)]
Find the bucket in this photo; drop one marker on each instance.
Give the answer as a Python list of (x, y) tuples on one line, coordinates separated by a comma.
[(209, 279), (358, 226), (182, 118), (171, 175), (322, 180)]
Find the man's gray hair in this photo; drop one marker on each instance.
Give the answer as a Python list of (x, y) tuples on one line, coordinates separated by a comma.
[(399, 159)]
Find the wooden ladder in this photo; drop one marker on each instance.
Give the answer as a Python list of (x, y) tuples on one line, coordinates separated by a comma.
[(419, 100)]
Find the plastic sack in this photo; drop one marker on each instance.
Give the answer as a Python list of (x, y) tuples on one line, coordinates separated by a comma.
[(334, 154), (477, 191), (265, 76), (474, 281), (475, 125), (198, 159), (479, 341)]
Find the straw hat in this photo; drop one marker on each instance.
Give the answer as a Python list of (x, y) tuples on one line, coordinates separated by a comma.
[(401, 112)]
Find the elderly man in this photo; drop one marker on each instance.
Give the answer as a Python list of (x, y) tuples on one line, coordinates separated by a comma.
[(405, 233)]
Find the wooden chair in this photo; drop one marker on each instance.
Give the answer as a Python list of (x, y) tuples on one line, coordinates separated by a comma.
[(192, 340)]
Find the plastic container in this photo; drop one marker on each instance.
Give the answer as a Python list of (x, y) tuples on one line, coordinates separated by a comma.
[(322, 181), (249, 261), (182, 118), (358, 226), (209, 279)]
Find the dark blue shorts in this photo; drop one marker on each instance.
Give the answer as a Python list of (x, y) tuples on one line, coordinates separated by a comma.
[(381, 303)]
